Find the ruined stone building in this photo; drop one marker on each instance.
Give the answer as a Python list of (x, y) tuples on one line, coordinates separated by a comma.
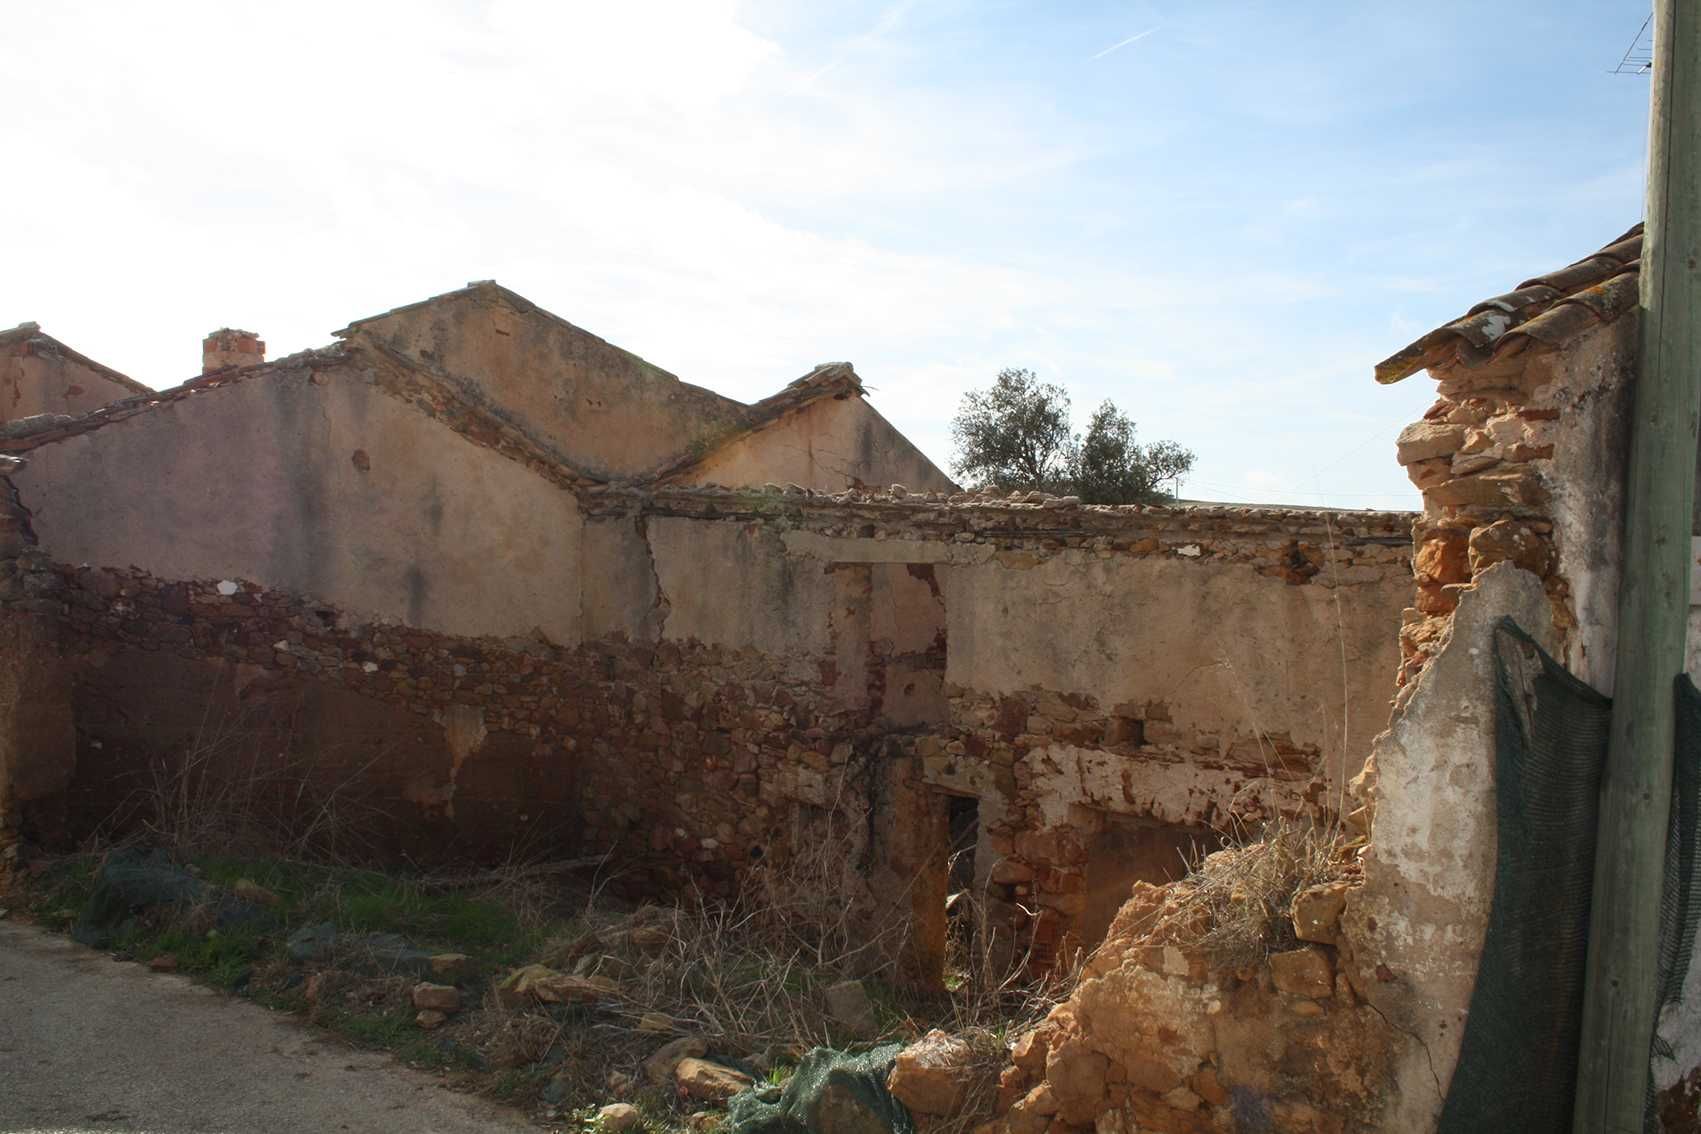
[(518, 586), (502, 585), (1521, 464)]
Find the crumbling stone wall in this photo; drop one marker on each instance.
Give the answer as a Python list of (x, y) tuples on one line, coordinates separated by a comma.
[(1354, 1025), (37, 738), (750, 660), (1099, 683), (1520, 462), (466, 747)]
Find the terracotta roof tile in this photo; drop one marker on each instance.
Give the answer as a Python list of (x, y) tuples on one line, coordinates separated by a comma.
[(1550, 309)]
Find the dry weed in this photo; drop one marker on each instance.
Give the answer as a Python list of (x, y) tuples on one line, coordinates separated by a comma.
[(1247, 888), (243, 785), (515, 1039), (993, 987), (751, 972)]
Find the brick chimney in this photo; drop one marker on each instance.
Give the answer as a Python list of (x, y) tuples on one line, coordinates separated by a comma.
[(226, 348)]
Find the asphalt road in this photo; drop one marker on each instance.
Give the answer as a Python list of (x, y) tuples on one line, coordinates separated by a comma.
[(89, 1044)]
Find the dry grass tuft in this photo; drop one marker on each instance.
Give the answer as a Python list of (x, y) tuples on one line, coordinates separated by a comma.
[(515, 1039), (994, 988), (748, 973), (1246, 889)]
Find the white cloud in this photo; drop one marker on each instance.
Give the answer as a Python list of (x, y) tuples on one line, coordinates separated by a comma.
[(659, 172)]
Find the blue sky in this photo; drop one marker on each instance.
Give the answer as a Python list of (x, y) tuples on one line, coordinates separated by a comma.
[(1222, 224)]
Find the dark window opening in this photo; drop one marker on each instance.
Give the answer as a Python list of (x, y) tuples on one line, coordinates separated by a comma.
[(964, 817)]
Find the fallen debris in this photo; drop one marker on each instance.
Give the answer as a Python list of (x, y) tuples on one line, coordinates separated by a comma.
[(832, 1092), (708, 1082), (544, 984), (659, 1067), (437, 997), (932, 1075), (616, 1118)]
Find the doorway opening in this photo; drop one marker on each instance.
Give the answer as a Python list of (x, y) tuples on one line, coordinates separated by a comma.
[(963, 817)]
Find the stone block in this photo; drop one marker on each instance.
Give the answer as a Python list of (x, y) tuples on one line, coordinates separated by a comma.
[(708, 1082), (1426, 440), (436, 997), (1316, 912), (1077, 1075), (932, 1076), (1509, 541), (1443, 557), (1306, 971)]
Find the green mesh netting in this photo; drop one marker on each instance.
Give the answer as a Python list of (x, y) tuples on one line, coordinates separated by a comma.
[(832, 1092), (1518, 1058), (1680, 911)]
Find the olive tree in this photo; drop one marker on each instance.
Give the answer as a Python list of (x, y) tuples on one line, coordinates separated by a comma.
[(1017, 435)]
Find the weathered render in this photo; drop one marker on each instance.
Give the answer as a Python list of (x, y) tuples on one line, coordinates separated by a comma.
[(1094, 683), (307, 476), (41, 375), (828, 441), (612, 416)]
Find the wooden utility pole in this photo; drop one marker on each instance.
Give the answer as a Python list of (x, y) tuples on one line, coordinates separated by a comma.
[(1619, 1004)]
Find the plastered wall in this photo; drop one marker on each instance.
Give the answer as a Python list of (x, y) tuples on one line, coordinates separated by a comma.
[(313, 481), (39, 375), (599, 408), (828, 445), (1067, 669)]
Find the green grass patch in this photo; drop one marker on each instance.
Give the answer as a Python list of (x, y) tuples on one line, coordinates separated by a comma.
[(223, 957), (57, 895), (397, 1033), (364, 901), (520, 1084)]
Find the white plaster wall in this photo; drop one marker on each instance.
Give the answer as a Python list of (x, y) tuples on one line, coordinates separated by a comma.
[(1429, 869), (259, 481), (733, 585), (1590, 384), (1230, 652)]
